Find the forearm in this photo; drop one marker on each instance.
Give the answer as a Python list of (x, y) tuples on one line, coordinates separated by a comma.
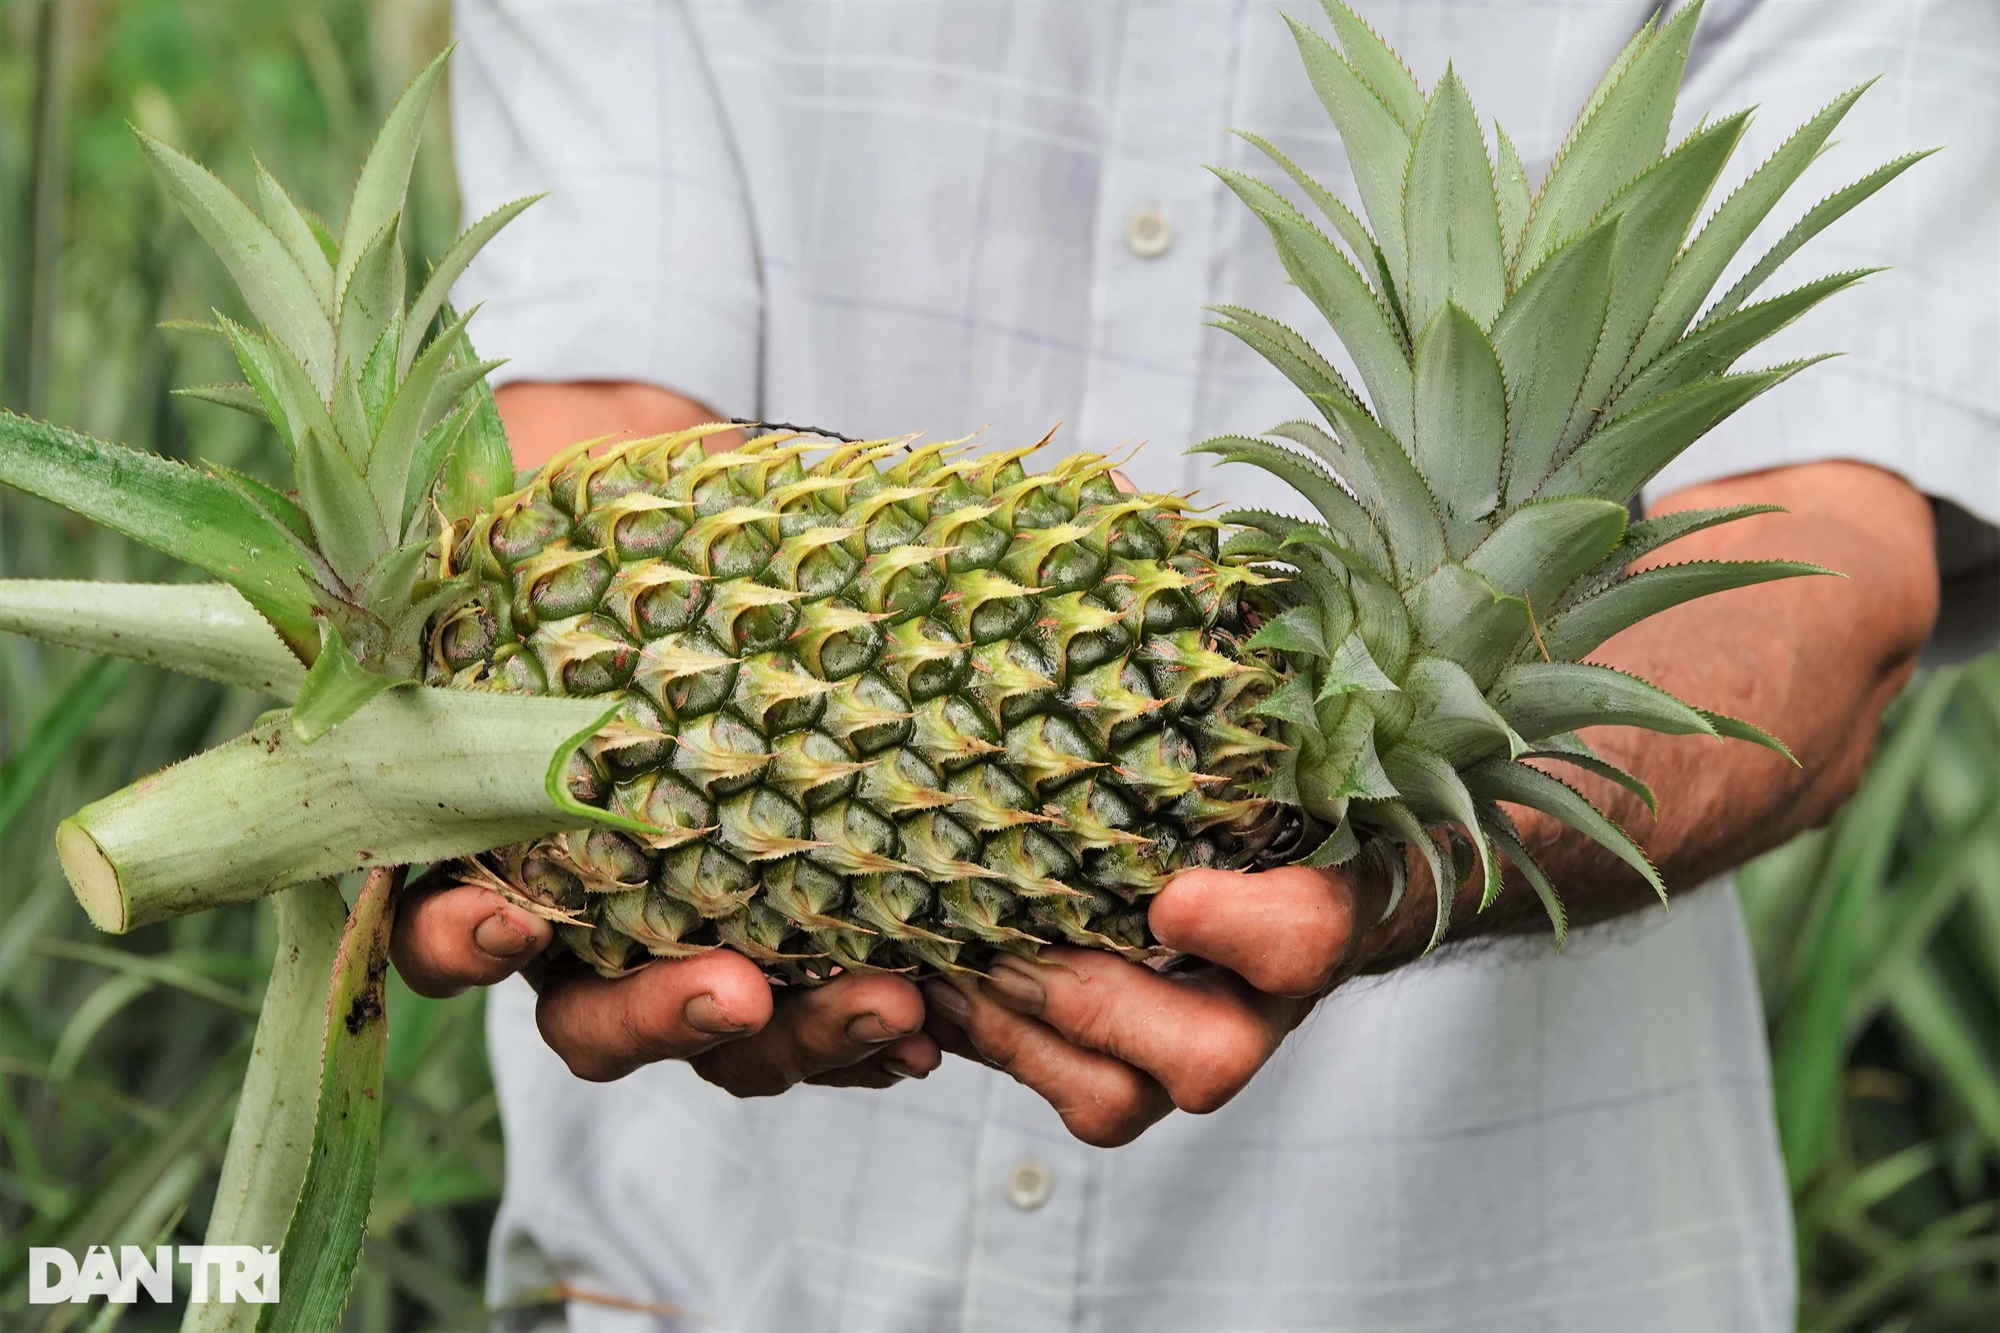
[(543, 418), (1813, 661)]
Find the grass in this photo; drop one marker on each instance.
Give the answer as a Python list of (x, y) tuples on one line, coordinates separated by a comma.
[(1878, 939)]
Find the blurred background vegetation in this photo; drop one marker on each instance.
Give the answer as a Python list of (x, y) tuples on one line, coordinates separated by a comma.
[(1878, 939)]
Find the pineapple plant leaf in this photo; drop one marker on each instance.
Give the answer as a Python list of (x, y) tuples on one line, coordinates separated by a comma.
[(852, 706)]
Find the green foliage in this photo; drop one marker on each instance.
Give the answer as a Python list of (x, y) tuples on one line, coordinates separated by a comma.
[(120, 1058), (1878, 945)]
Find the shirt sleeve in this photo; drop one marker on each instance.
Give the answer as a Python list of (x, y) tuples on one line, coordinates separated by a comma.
[(1917, 389), (641, 263)]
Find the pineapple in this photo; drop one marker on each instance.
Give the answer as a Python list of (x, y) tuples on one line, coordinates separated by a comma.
[(850, 706)]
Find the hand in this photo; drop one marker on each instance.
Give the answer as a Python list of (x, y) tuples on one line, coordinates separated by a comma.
[(715, 1011), (1115, 1046)]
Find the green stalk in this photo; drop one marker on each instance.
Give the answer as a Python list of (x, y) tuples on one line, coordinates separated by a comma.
[(269, 1145), (323, 1241), (199, 629), (417, 775)]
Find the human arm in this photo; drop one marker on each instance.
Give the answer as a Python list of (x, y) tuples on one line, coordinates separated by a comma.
[(716, 1011), (1115, 1047)]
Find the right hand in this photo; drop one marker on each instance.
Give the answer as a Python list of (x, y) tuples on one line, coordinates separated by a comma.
[(715, 1011)]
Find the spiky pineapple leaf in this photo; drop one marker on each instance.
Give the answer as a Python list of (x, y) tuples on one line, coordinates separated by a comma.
[(280, 383), (1623, 456), (1451, 218), (189, 515), (272, 285), (1399, 820), (1431, 787), (1542, 699), (1737, 729), (1453, 717), (1349, 228), (1290, 356), (480, 467), (1701, 266), (270, 499), (1655, 212), (1378, 65), (1461, 615), (1625, 123), (1380, 616), (1546, 339), (348, 528), (1823, 214), (431, 298), (1298, 630), (1378, 147), (390, 465), (1579, 629), (1389, 484), (1341, 511), (1544, 546), (432, 454), (370, 299), (1714, 348), (289, 225), (1460, 432), (1333, 284), (234, 394), (334, 690), (1650, 534), (1591, 763), (385, 175), (1508, 839), (1352, 667), (1501, 780), (1510, 184)]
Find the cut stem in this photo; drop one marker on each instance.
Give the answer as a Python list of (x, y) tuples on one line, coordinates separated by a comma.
[(418, 775)]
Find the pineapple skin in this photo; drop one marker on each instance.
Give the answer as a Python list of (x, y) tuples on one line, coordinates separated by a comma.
[(881, 707)]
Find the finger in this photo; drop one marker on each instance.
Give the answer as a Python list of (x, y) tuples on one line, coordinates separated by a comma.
[(811, 1031), (1284, 931), (905, 1059), (606, 1027), (1103, 1101), (1202, 1034), (452, 936)]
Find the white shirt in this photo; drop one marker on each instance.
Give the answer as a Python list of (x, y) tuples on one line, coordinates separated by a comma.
[(883, 215)]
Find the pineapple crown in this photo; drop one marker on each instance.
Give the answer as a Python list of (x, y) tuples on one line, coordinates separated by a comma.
[(1531, 358), (375, 393)]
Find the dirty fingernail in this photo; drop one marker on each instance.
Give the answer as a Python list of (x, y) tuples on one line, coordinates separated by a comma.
[(703, 1014), (497, 937), (1015, 988), (943, 996), (870, 1030)]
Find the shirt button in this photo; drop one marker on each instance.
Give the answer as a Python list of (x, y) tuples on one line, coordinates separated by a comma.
[(1149, 233), (1029, 1185)]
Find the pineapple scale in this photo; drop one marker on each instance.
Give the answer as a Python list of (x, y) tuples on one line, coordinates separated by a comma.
[(882, 706)]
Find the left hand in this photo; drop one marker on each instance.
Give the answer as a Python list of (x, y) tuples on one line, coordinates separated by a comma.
[(1115, 1046)]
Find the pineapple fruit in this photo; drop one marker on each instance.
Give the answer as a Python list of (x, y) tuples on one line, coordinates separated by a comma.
[(894, 706)]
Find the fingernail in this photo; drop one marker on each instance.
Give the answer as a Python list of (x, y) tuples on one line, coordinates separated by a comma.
[(944, 996), (870, 1030), (898, 1070), (1010, 984), (498, 937), (703, 1014)]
